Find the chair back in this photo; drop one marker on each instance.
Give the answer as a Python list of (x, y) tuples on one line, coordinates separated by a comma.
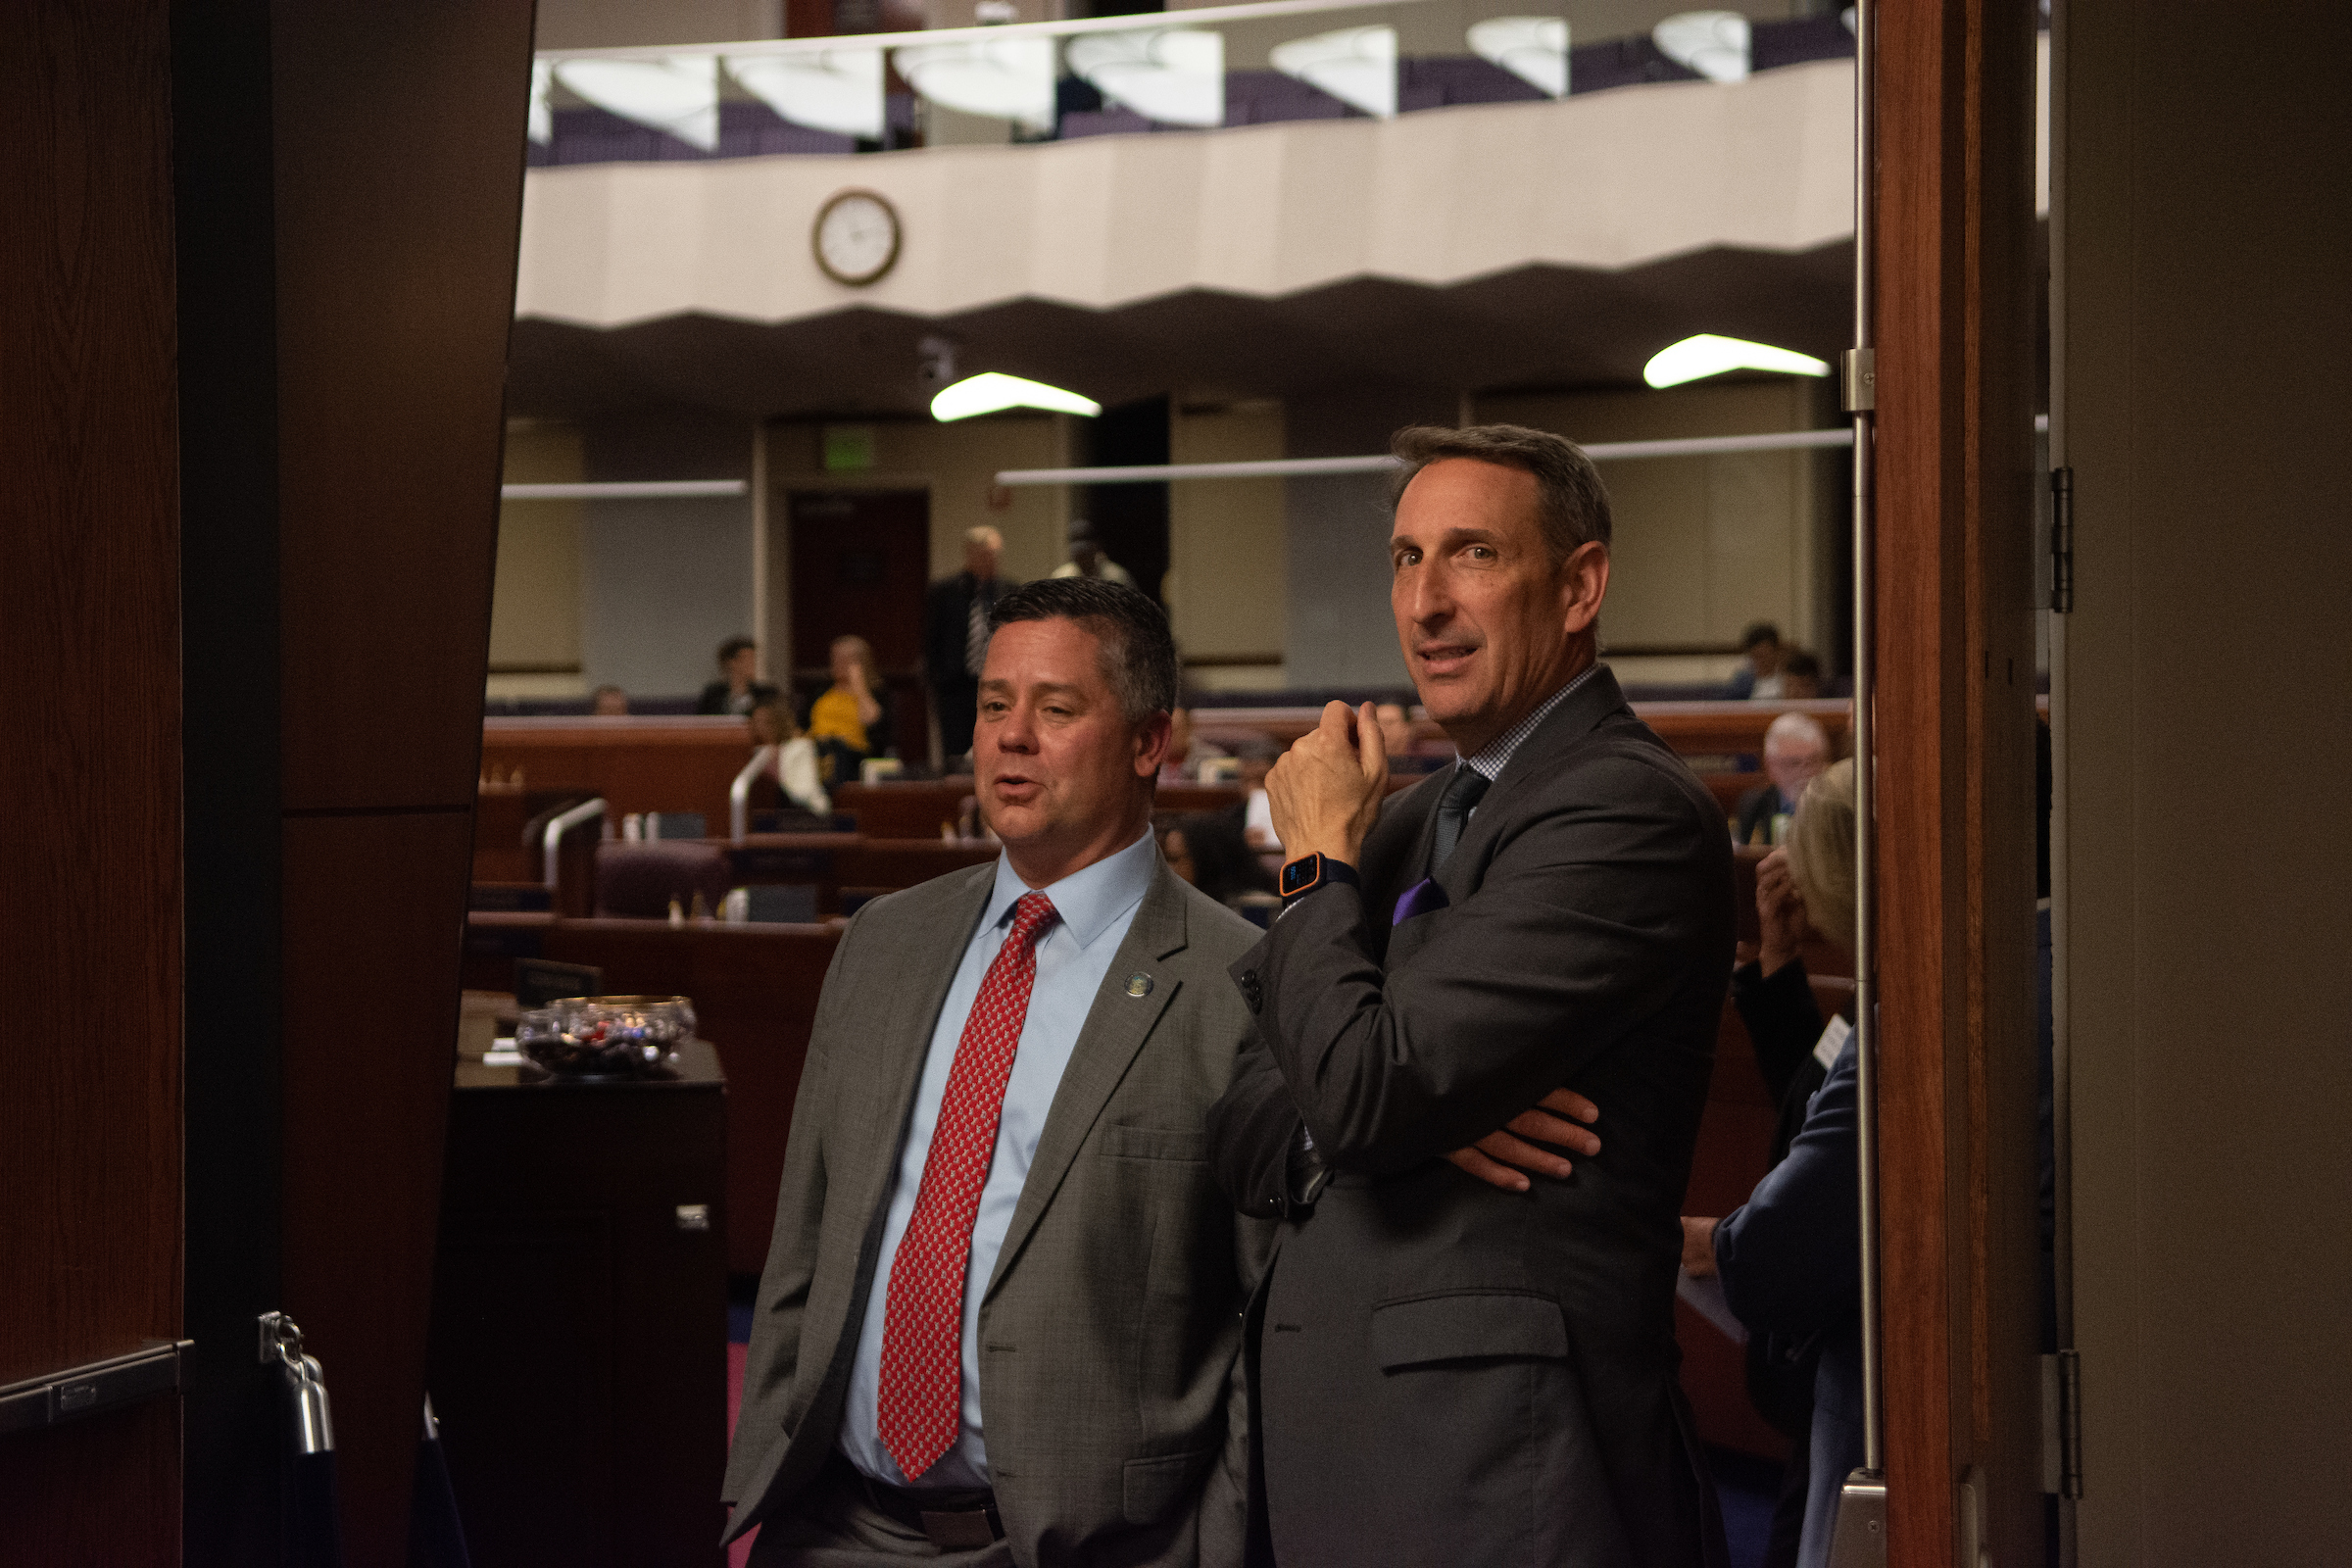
[(638, 881)]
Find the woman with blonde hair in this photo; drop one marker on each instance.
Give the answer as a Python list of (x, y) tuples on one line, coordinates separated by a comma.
[(850, 721)]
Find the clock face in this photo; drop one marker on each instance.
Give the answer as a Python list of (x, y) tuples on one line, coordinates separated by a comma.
[(857, 237)]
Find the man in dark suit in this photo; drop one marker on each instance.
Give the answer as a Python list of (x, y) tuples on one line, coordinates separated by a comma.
[(1449, 1370), (956, 637)]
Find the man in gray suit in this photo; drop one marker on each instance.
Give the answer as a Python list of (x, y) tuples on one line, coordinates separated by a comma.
[(1449, 1370), (999, 1318)]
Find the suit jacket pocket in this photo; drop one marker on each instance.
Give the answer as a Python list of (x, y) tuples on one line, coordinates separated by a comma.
[(1123, 1141), (1151, 1488), (1464, 1325)]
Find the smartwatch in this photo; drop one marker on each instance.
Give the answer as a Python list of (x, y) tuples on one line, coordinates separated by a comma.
[(1311, 871)]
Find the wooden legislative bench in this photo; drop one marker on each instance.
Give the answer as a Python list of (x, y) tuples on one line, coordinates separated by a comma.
[(665, 763)]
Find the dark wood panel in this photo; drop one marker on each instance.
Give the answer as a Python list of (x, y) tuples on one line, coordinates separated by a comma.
[(1954, 709), (398, 188), (373, 911), (579, 1353), (636, 765), (100, 1491), (399, 200), (90, 872)]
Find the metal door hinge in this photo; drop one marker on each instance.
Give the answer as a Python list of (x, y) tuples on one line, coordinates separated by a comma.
[(2062, 540), (1859, 379), (2062, 1424)]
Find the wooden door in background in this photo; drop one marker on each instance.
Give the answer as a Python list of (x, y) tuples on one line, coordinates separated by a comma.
[(861, 562)]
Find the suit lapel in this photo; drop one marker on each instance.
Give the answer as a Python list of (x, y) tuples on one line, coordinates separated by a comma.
[(1116, 1027), (1536, 759), (902, 1037)]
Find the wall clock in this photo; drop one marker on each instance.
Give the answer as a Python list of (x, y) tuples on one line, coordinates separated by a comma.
[(857, 237)]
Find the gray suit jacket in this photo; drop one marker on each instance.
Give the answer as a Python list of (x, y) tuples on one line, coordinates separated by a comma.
[(1449, 1373), (1110, 1331)]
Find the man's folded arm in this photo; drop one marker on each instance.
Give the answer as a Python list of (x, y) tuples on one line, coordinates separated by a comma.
[(1581, 929), (1253, 1134)]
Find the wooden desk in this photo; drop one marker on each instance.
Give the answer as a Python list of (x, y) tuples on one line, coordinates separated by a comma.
[(578, 1356), (637, 764), (755, 991)]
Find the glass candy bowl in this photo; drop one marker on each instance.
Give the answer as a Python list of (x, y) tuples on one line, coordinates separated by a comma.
[(605, 1037)]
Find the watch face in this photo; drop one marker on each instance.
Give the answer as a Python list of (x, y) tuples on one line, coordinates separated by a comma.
[(1300, 875), (857, 237)]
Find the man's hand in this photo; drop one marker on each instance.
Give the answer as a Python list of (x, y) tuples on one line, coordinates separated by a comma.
[(1780, 913), (1327, 789), (1699, 1247), (1491, 1159)]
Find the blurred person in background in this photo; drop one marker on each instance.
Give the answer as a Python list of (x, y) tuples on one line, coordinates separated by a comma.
[(1187, 751), (793, 761), (1790, 1260), (1205, 849), (609, 701), (956, 637), (738, 689), (1087, 558), (1760, 646), (1259, 754), (1800, 676), (850, 721), (1796, 749)]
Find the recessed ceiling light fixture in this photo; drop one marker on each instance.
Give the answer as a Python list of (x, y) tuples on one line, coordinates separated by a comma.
[(991, 392), (1708, 355)]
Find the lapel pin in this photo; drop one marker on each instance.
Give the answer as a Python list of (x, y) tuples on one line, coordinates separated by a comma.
[(1139, 985)]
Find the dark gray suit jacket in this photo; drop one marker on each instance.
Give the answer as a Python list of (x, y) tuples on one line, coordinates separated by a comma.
[(1110, 1331), (1448, 1373)]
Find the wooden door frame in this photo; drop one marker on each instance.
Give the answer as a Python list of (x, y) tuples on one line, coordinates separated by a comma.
[(1953, 637)]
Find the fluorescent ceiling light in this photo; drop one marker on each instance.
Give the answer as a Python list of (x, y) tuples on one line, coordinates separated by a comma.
[(1357, 66), (1713, 43), (839, 91), (1535, 49), (1709, 355), (677, 94), (1003, 78), (1175, 75), (990, 392)]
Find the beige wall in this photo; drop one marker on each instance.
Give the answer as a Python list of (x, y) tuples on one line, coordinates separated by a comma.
[(1225, 582), (535, 606), (958, 464), (2198, 343), (1704, 546)]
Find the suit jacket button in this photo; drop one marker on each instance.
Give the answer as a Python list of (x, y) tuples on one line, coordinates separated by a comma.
[(1251, 991)]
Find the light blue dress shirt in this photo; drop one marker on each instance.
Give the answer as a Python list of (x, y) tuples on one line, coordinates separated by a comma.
[(1095, 905)]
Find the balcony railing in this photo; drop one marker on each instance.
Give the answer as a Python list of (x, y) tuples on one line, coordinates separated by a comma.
[(1159, 72)]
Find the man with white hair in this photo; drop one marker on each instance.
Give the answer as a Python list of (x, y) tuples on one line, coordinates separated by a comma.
[(1795, 748)]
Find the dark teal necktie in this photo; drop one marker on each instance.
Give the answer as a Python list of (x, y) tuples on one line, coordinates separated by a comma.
[(1462, 793)]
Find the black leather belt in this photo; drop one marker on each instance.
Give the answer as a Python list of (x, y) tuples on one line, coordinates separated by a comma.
[(954, 1518)]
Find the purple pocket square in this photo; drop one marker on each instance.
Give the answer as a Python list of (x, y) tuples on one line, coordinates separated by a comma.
[(1421, 898)]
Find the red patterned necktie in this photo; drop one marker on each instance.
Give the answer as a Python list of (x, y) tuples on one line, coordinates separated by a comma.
[(921, 1402)]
